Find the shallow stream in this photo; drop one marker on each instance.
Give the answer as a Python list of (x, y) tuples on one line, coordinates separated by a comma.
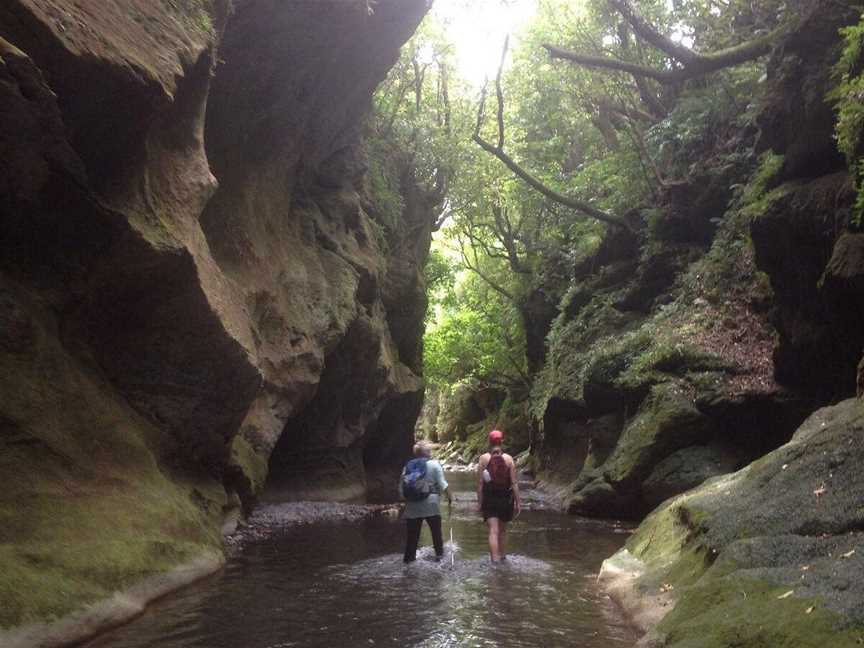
[(332, 584)]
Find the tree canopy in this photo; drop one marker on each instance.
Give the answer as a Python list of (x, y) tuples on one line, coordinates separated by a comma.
[(596, 112)]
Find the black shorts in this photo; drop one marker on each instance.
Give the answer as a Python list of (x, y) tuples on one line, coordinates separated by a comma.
[(498, 505)]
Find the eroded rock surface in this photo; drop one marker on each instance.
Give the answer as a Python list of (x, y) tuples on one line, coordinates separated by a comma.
[(192, 270)]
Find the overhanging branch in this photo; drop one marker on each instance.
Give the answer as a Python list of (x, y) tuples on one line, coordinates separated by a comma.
[(519, 171), (550, 193), (687, 63)]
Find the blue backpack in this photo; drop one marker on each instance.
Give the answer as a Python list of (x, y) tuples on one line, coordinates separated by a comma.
[(415, 485)]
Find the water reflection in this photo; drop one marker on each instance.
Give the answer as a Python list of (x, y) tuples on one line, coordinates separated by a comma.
[(333, 584)]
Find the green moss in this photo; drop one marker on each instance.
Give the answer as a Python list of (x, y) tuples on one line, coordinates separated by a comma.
[(195, 14), (253, 464), (666, 421), (762, 204), (579, 339), (69, 543), (718, 604), (765, 178), (85, 509), (736, 611), (665, 356)]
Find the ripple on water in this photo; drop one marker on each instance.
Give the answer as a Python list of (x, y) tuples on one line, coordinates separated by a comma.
[(319, 581), (390, 567)]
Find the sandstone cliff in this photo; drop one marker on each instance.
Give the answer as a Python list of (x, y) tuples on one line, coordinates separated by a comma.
[(192, 275)]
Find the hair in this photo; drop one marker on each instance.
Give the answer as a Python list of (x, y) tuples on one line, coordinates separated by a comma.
[(422, 449)]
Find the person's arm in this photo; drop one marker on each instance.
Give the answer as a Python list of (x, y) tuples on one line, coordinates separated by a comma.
[(480, 467), (443, 486), (514, 484), (401, 493)]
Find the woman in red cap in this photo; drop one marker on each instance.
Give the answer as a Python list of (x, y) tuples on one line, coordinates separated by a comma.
[(497, 493)]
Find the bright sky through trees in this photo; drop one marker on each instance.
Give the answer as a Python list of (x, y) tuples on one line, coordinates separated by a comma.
[(477, 29)]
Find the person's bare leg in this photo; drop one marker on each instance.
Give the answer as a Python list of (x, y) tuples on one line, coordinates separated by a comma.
[(502, 546), (494, 526)]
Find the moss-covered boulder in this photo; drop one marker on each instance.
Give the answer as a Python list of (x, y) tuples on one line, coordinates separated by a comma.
[(683, 470), (667, 422), (768, 556)]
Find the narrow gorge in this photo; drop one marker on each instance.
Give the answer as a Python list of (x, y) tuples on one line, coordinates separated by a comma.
[(253, 249)]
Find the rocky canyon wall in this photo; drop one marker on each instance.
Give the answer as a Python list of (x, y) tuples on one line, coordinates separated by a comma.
[(704, 374), (192, 275), (701, 344)]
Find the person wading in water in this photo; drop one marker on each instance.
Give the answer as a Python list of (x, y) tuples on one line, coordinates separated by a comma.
[(497, 493), (421, 485)]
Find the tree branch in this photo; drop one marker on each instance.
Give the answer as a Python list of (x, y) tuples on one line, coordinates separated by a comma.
[(608, 63), (500, 93), (486, 279), (690, 64), (510, 163), (651, 35), (551, 194), (504, 233)]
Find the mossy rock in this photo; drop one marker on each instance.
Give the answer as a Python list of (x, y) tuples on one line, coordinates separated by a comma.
[(667, 421), (770, 555), (85, 514), (683, 470)]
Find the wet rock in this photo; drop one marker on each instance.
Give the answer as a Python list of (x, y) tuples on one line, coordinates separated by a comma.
[(683, 470), (774, 547), (598, 499)]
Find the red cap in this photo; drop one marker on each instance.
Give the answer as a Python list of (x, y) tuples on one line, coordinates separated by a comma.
[(496, 436)]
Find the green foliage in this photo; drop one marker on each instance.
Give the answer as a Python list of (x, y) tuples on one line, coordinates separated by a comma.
[(471, 335), (764, 179), (440, 276), (848, 97), (761, 191), (705, 125), (196, 14), (583, 132), (383, 183)]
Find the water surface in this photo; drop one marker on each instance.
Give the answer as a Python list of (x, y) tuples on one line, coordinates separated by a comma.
[(336, 584)]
